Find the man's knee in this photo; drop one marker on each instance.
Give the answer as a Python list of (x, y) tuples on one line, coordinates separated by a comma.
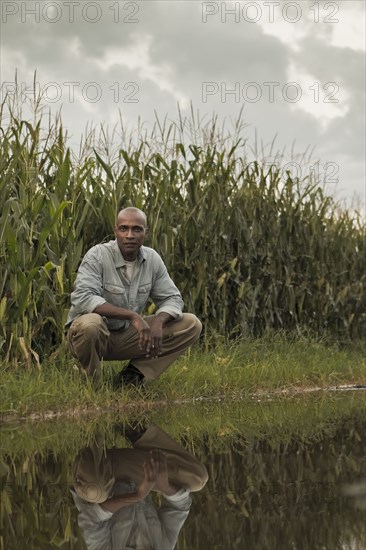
[(94, 493), (193, 324), (89, 327), (199, 478)]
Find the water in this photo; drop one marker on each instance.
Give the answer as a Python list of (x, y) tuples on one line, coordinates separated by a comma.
[(282, 474)]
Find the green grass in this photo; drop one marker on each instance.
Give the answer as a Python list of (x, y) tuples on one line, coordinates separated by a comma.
[(229, 371), (272, 362), (305, 417)]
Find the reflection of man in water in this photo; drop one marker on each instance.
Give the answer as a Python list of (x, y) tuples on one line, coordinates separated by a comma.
[(112, 492)]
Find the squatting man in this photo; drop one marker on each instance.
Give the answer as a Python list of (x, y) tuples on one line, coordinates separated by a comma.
[(113, 285), (113, 489)]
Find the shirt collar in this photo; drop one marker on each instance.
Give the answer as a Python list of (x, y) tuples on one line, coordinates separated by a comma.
[(119, 260)]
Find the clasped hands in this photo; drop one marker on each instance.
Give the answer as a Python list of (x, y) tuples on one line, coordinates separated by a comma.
[(150, 335), (156, 475)]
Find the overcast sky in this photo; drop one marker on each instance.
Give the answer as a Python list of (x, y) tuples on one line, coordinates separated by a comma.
[(297, 69)]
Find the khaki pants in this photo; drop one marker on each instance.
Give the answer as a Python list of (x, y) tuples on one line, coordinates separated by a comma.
[(90, 341), (96, 471)]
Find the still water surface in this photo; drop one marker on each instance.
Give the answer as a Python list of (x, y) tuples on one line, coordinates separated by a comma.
[(273, 475)]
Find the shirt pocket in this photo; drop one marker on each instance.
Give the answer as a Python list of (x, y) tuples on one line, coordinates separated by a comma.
[(143, 294), (115, 295)]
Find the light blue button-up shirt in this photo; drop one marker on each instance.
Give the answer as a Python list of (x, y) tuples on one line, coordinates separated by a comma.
[(102, 278), (158, 527)]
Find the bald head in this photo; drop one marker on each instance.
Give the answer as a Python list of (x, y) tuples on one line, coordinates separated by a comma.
[(131, 211), (130, 231)]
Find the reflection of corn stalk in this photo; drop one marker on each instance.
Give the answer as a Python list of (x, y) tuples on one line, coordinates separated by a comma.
[(248, 247)]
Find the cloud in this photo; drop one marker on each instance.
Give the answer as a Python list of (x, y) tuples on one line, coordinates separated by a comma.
[(137, 57), (172, 49), (322, 101)]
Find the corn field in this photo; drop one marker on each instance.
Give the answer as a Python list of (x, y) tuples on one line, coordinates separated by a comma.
[(248, 246)]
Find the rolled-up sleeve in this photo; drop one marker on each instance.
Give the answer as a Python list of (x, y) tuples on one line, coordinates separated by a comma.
[(173, 514), (164, 293), (87, 294)]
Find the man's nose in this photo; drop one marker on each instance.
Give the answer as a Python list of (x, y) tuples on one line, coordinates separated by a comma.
[(129, 233)]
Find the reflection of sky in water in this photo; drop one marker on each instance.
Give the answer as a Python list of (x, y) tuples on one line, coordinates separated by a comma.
[(357, 492), (264, 491)]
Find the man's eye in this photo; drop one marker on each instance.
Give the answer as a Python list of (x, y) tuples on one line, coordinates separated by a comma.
[(124, 228)]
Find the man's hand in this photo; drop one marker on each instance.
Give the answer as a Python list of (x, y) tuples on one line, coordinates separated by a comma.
[(122, 501), (144, 332), (151, 336), (150, 472), (156, 327)]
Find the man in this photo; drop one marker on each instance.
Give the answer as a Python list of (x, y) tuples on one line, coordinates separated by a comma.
[(113, 488), (112, 287)]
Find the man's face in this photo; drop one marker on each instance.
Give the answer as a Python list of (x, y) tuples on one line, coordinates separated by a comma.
[(130, 233)]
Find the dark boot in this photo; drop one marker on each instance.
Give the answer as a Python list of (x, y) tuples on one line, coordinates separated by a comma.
[(128, 377)]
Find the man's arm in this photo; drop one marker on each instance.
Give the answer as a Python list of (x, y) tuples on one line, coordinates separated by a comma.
[(177, 503), (143, 329), (95, 524), (164, 292), (114, 312), (172, 514), (169, 301), (88, 286), (116, 503)]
